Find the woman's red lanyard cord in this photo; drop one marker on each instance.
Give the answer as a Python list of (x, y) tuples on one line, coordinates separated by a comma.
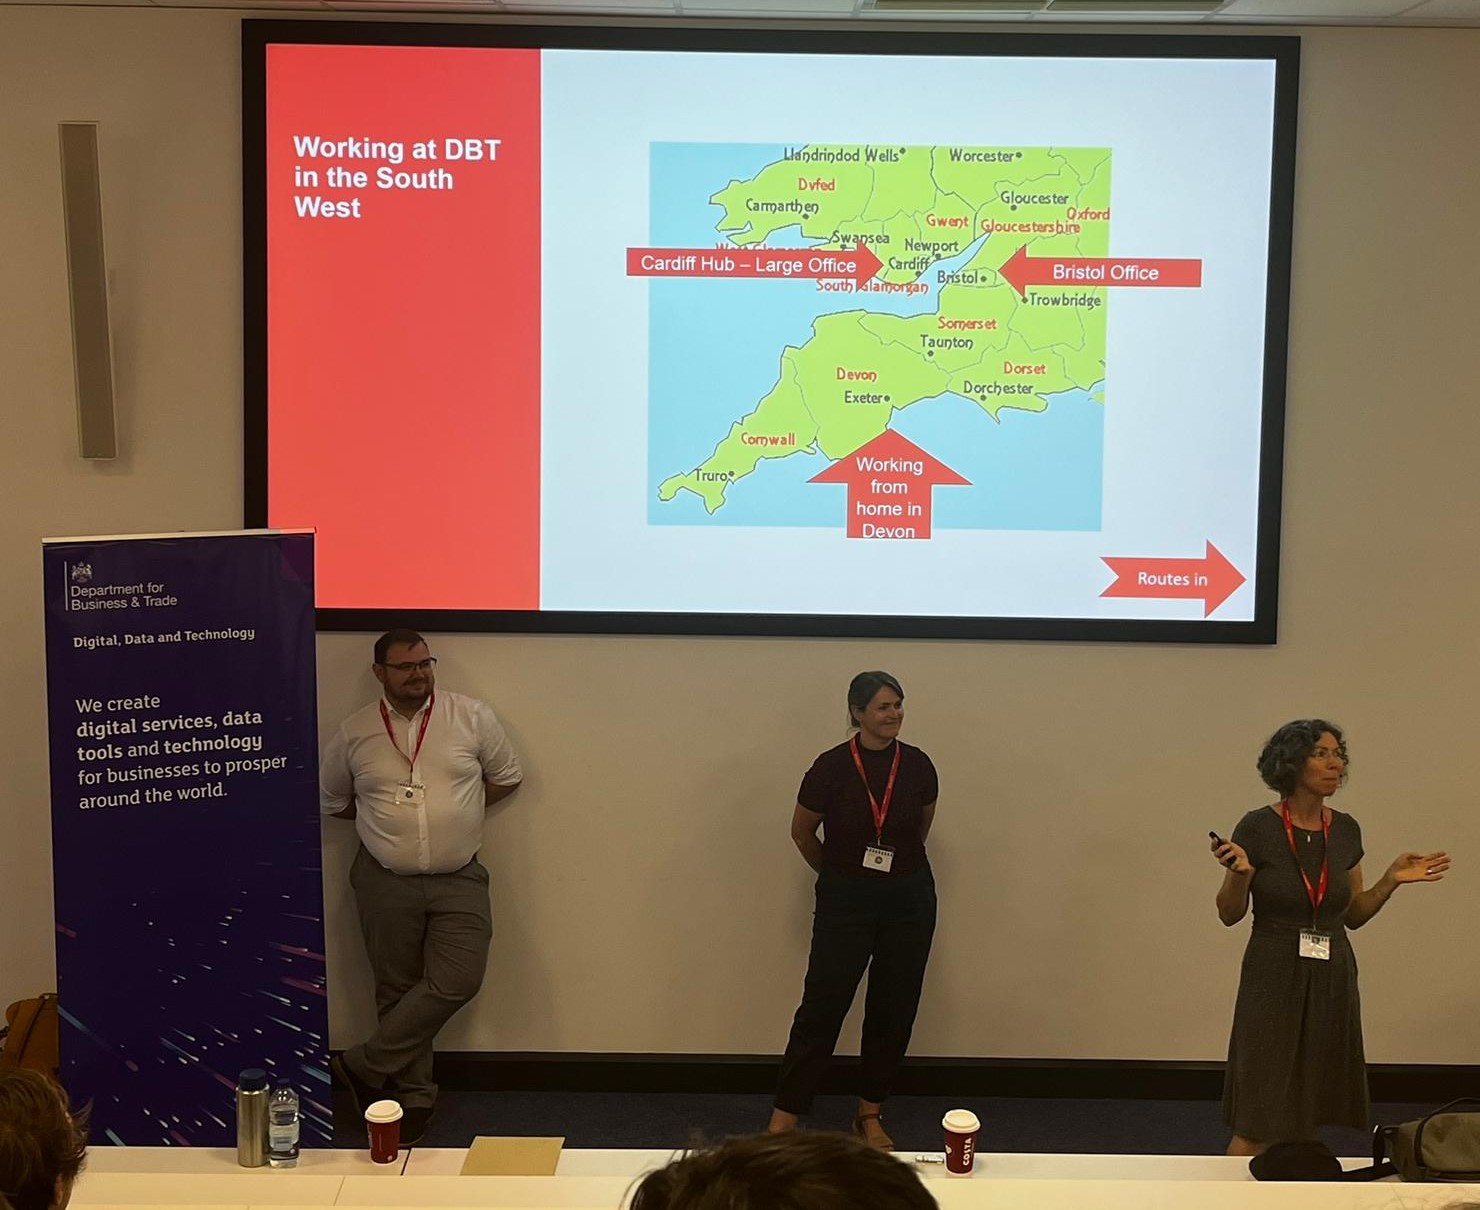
[(1316, 894), (880, 812)]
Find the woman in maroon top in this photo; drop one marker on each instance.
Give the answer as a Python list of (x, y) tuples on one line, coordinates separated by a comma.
[(874, 799)]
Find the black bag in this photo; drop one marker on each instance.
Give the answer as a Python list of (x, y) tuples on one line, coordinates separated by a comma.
[(1444, 1146), (1310, 1160)]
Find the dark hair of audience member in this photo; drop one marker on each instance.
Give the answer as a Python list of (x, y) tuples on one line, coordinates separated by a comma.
[(42, 1144), (796, 1170), (406, 638)]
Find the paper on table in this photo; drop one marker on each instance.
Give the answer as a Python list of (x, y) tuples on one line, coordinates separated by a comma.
[(489, 1156)]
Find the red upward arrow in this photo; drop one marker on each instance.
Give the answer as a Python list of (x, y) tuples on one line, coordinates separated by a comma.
[(1023, 271), (889, 487), (858, 263), (1211, 579)]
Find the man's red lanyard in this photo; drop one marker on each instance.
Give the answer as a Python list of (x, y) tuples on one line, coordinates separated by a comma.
[(1316, 896), (881, 813), (385, 718)]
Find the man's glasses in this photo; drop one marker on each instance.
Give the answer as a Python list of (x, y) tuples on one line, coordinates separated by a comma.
[(425, 665)]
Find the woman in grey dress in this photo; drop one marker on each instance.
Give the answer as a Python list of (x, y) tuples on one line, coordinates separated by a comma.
[(1295, 1057)]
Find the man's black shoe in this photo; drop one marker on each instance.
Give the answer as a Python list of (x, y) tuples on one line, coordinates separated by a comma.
[(360, 1092), (414, 1122)]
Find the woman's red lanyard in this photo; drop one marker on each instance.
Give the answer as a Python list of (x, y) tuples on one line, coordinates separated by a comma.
[(385, 718), (1316, 894), (881, 813)]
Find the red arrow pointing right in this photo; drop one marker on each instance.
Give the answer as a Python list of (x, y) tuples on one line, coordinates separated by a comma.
[(1211, 579)]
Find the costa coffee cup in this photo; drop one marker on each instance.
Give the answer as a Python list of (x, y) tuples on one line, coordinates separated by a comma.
[(383, 1124), (961, 1127)]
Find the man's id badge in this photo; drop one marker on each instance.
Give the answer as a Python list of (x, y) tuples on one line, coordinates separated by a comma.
[(1315, 945), (878, 857), (411, 796)]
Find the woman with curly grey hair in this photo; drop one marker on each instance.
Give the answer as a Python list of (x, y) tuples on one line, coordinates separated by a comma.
[(1295, 1059)]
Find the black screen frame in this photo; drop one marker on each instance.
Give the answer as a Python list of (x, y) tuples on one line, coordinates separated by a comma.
[(1282, 51)]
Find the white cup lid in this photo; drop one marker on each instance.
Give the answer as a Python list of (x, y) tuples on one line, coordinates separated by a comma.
[(383, 1111), (961, 1121)]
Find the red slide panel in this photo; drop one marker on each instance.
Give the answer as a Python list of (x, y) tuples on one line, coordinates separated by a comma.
[(403, 320)]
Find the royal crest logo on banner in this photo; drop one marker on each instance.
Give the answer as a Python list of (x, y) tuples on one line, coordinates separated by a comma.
[(184, 798)]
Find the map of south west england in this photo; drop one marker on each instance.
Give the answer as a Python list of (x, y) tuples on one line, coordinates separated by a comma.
[(938, 318)]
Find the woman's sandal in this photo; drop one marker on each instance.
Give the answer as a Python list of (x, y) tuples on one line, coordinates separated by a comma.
[(880, 1141)]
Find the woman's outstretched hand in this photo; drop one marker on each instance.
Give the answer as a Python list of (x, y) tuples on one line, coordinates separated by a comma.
[(1419, 867)]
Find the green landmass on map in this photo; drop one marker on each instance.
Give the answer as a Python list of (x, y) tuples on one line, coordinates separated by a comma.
[(914, 207)]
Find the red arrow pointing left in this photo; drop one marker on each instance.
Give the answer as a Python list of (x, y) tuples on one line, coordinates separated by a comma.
[(1023, 271), (859, 263), (1211, 579), (889, 487)]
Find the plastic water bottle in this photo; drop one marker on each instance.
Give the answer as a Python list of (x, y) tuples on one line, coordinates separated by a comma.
[(282, 1127)]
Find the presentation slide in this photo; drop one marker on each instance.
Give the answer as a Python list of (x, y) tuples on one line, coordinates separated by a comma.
[(702, 339)]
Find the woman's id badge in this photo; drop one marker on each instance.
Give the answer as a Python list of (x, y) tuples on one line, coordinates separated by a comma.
[(1315, 945), (411, 796), (878, 857)]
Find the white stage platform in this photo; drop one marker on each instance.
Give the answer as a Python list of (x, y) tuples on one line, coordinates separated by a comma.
[(181, 1177)]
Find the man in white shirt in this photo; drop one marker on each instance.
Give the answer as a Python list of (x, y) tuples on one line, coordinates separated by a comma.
[(415, 770)]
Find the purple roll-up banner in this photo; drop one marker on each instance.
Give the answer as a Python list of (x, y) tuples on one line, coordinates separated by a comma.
[(182, 704)]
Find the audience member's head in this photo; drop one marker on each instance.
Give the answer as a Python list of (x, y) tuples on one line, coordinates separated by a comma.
[(42, 1144), (808, 1170)]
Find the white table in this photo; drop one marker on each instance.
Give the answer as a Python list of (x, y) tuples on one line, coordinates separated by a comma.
[(433, 1161), (125, 1178), (205, 1160), (206, 1188)]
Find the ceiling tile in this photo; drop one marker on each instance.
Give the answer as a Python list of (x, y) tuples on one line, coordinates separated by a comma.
[(1137, 8), (277, 6), (1138, 16), (1272, 12), (943, 13), (608, 7), (1462, 12), (430, 7), (769, 8), (905, 9), (1316, 10)]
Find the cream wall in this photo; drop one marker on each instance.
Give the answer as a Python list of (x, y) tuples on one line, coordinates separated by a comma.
[(646, 895)]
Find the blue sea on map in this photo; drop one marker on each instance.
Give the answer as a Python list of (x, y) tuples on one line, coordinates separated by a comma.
[(714, 350)]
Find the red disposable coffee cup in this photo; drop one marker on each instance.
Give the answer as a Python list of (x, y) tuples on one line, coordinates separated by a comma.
[(383, 1124), (961, 1127)]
